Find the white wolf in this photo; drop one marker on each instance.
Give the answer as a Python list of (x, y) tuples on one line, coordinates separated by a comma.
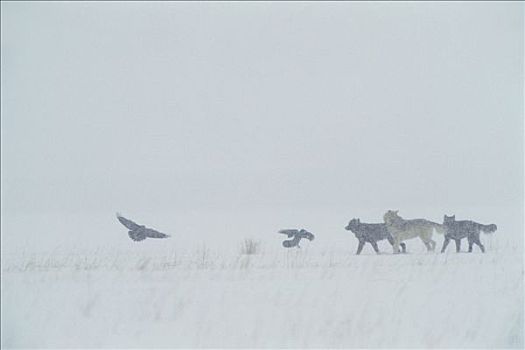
[(402, 229)]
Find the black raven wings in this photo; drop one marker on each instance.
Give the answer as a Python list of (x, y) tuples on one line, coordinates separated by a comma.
[(296, 236), (139, 232), (289, 233)]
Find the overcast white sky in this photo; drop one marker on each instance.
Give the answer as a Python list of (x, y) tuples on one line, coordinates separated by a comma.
[(260, 105)]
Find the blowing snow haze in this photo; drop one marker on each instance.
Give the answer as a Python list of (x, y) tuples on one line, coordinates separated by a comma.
[(287, 149), (174, 108)]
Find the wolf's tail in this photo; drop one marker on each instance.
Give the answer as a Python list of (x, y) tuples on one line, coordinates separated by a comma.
[(438, 227), (488, 228)]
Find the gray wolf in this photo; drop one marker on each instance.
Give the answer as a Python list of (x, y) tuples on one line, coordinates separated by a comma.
[(370, 233), (457, 230), (402, 229)]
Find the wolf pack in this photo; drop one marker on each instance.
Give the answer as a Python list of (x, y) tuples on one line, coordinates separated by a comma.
[(397, 230)]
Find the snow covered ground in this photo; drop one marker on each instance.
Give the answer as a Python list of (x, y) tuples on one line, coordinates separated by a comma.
[(166, 294), (221, 122)]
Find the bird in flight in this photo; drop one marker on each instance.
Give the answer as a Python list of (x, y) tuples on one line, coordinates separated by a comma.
[(139, 232), (296, 236)]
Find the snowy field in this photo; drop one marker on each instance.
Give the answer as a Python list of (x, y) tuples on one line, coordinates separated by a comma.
[(169, 293), (221, 123)]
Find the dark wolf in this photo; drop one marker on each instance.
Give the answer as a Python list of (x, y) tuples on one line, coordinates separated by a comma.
[(457, 230), (370, 233)]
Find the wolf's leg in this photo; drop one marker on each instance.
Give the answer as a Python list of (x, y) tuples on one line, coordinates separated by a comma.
[(360, 247), (433, 243), (445, 244), (458, 245), (403, 246), (395, 246), (426, 242), (470, 243), (374, 244), (481, 246)]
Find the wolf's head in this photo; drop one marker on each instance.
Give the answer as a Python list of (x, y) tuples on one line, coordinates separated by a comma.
[(352, 225), (391, 216), (449, 219)]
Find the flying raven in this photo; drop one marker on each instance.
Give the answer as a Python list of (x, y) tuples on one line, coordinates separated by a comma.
[(296, 236), (139, 232)]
